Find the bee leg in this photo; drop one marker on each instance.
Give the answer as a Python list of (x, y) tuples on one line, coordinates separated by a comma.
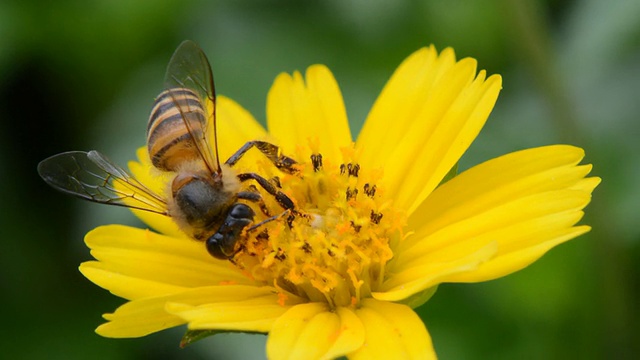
[(272, 152), (256, 198), (280, 197), (275, 217)]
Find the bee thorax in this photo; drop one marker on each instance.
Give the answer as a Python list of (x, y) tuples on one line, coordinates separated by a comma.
[(199, 204)]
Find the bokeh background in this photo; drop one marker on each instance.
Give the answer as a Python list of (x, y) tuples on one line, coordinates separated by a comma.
[(80, 75)]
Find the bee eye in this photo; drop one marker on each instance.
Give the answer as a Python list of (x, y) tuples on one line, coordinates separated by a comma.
[(241, 211), (215, 246), (222, 244)]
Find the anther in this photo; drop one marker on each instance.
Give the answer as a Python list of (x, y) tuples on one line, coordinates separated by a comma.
[(355, 227), (281, 255), (353, 169), (263, 235), (307, 248), (316, 160), (369, 190), (375, 217), (290, 219), (351, 193)]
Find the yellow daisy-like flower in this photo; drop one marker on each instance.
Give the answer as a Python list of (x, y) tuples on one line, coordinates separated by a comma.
[(380, 227)]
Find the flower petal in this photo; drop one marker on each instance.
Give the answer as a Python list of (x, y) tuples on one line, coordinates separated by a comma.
[(124, 286), (256, 314), (145, 316), (152, 259), (313, 331), (138, 318), (518, 201), (497, 182), (424, 120), (301, 114), (393, 331), (235, 126), (513, 261), (518, 223), (412, 280)]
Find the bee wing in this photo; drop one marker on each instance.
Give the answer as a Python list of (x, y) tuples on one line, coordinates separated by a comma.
[(190, 69), (91, 176)]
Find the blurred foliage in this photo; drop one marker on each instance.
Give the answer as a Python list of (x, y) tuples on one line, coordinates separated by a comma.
[(82, 75)]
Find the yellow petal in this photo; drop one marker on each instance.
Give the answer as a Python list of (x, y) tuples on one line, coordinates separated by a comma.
[(426, 117), (407, 281), (405, 93), (496, 182), (255, 314), (393, 331), (147, 256), (313, 331), (515, 224), (144, 316), (236, 126), (127, 287), (244, 316), (518, 202), (516, 260), (138, 318), (300, 114)]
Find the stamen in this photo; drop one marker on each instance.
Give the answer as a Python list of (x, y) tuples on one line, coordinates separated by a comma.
[(369, 190), (330, 245), (376, 217), (351, 193), (350, 169), (316, 160), (353, 169), (355, 227)]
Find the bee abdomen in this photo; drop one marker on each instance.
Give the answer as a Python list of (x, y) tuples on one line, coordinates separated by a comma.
[(168, 138)]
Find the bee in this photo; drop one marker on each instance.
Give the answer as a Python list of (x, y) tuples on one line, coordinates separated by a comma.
[(204, 196)]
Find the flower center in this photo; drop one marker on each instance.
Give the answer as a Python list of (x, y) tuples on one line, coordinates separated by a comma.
[(334, 247)]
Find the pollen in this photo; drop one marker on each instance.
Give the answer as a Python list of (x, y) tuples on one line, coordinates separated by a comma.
[(334, 245)]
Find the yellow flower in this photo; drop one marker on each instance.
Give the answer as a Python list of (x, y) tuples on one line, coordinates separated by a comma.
[(379, 229)]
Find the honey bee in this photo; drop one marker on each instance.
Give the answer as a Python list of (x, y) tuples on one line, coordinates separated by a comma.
[(203, 198)]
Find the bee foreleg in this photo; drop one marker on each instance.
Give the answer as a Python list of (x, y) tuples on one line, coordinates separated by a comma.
[(280, 197), (256, 198), (275, 217), (272, 152)]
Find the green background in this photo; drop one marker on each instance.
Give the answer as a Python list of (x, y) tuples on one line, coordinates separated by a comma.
[(81, 75)]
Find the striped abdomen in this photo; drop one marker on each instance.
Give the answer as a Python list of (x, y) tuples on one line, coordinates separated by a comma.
[(168, 139)]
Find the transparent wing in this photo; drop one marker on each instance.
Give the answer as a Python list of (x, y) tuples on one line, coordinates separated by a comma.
[(190, 69), (91, 176)]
